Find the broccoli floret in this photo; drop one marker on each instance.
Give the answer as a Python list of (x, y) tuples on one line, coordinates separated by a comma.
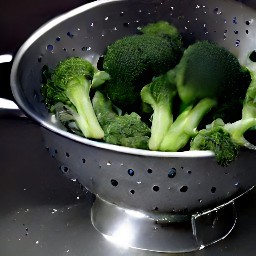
[(226, 139), (215, 138), (132, 62), (70, 84), (206, 77), (208, 70), (159, 94), (126, 130)]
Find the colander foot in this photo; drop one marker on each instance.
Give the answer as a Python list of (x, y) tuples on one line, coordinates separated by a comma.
[(162, 232)]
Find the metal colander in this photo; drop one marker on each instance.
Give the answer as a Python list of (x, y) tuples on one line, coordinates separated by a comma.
[(155, 183)]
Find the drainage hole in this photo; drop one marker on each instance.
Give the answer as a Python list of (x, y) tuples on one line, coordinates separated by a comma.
[(131, 172), (253, 56), (156, 188), (172, 173), (184, 189), (49, 47), (114, 183), (132, 191), (149, 171), (213, 190)]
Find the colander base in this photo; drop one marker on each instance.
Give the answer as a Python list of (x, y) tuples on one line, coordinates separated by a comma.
[(162, 232)]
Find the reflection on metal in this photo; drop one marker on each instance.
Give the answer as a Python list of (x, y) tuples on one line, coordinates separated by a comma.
[(5, 58), (144, 231)]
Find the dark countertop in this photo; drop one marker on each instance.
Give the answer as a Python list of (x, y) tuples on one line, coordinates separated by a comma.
[(44, 213)]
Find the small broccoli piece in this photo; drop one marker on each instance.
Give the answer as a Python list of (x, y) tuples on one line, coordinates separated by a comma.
[(132, 62), (159, 95), (208, 70), (126, 130), (185, 125), (215, 138), (70, 84)]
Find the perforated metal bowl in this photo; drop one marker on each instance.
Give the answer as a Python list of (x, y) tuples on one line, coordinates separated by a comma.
[(153, 182)]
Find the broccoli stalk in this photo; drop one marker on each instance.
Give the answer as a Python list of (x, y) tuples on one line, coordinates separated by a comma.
[(77, 90), (185, 125), (70, 85), (159, 95)]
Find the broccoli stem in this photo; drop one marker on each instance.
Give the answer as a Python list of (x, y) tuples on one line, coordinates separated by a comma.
[(237, 130), (248, 120), (162, 117), (78, 93), (185, 125), (161, 122), (249, 104)]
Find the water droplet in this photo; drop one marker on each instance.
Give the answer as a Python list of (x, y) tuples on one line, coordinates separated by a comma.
[(217, 11), (54, 210), (69, 34), (235, 20), (88, 48)]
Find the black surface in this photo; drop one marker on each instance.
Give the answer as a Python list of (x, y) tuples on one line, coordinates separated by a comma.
[(42, 213), (18, 20)]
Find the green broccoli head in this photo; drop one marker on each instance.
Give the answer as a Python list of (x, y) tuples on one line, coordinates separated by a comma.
[(208, 70), (70, 84), (128, 130), (217, 139), (132, 62), (54, 89), (125, 130)]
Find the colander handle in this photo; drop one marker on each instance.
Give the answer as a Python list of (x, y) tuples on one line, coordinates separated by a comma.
[(7, 105)]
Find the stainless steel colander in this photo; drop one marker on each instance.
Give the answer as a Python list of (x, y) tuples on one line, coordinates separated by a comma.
[(164, 188)]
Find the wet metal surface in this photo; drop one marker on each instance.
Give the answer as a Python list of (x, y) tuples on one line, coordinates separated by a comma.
[(44, 213)]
